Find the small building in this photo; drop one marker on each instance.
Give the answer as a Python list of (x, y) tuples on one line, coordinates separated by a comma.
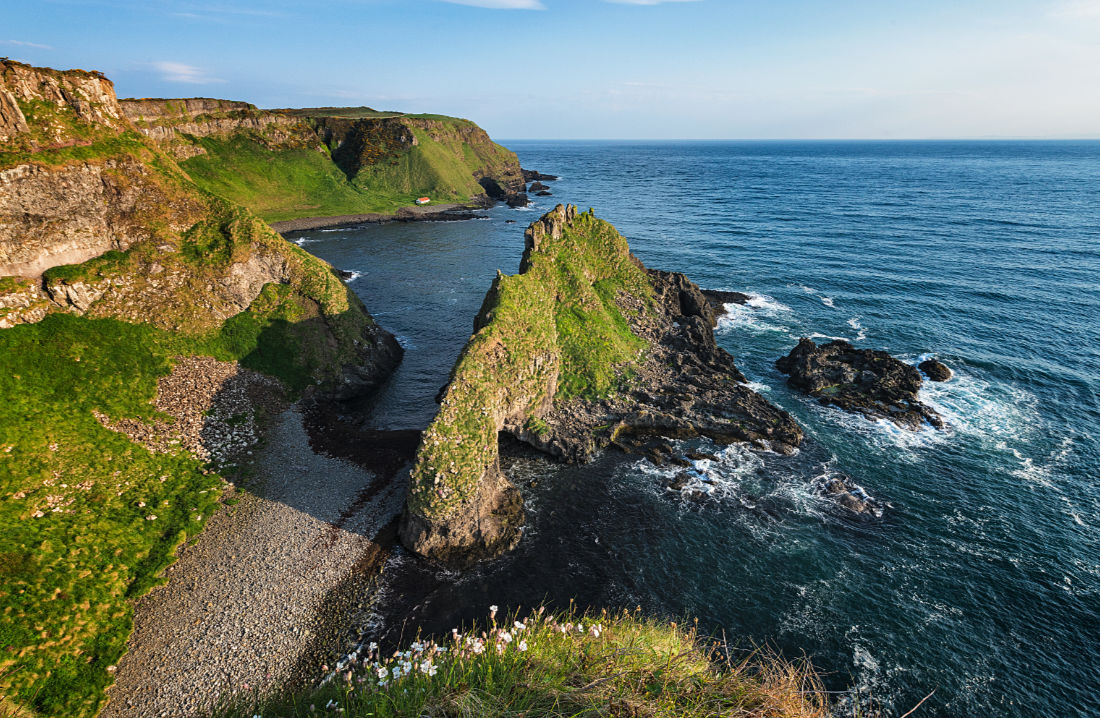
[(423, 200)]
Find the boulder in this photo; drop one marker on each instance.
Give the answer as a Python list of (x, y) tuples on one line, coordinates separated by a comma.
[(935, 370), (862, 381)]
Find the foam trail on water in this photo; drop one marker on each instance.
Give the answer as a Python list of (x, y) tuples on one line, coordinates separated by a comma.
[(766, 304), (854, 324), (752, 315)]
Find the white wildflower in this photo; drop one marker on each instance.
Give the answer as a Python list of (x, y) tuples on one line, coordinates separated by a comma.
[(522, 645)]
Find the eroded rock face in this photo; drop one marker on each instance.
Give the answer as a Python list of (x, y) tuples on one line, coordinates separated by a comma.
[(88, 95), (51, 216), (490, 525), (862, 381), (170, 122)]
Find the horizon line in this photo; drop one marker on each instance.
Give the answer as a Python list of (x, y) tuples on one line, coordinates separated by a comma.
[(800, 139)]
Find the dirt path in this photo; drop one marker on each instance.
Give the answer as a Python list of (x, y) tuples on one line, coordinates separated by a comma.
[(268, 586)]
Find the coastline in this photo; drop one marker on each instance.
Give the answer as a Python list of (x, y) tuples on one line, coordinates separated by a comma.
[(438, 213)]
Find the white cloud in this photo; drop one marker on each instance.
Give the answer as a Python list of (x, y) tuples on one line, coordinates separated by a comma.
[(502, 4), (179, 72), (20, 43)]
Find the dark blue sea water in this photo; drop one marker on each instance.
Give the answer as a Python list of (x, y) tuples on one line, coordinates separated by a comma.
[(981, 580)]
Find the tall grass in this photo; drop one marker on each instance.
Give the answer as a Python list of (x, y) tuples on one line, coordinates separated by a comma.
[(563, 665)]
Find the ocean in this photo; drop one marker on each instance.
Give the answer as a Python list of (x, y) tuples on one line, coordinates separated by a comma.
[(980, 579)]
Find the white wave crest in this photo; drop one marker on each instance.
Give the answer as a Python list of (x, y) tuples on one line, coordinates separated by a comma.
[(764, 303)]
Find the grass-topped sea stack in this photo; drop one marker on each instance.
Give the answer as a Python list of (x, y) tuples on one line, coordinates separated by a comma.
[(582, 349)]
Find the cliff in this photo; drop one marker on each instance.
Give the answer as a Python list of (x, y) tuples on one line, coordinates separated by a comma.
[(116, 269), (584, 348), (286, 164), (96, 220)]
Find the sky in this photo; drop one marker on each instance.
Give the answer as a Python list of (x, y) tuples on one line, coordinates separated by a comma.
[(606, 69)]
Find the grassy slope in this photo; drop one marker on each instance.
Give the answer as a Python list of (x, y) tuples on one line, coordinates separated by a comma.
[(563, 666), (282, 184), (291, 183), (558, 316)]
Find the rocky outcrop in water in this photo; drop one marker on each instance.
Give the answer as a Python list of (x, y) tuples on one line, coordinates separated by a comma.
[(935, 370), (534, 176), (862, 381), (582, 350)]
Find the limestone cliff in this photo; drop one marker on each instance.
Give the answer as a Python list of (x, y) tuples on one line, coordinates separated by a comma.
[(585, 348), (97, 220)]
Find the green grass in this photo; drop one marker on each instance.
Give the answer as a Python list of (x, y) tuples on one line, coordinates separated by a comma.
[(562, 666), (282, 184), (554, 330)]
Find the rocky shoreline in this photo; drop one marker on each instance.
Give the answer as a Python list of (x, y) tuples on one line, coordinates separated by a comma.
[(439, 213)]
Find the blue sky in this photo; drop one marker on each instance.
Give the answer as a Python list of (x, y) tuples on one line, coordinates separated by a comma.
[(602, 69)]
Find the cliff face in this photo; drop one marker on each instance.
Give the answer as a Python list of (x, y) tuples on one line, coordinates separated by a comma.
[(583, 349), (87, 97), (96, 220), (172, 124)]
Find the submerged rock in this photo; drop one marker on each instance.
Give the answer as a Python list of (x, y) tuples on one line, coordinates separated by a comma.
[(935, 370), (862, 381), (849, 495)]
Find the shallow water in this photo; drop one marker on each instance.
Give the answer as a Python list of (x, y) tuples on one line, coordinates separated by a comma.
[(982, 577)]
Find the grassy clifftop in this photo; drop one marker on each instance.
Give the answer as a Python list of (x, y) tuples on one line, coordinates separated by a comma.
[(554, 329)]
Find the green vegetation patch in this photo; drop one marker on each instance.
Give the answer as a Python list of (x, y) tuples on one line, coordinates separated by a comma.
[(553, 331), (560, 666), (281, 184)]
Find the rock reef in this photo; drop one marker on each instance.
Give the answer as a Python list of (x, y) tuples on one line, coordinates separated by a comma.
[(862, 381), (585, 348)]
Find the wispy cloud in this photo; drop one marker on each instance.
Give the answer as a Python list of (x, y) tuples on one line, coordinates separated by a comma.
[(502, 4), (21, 43), (179, 72), (645, 2)]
